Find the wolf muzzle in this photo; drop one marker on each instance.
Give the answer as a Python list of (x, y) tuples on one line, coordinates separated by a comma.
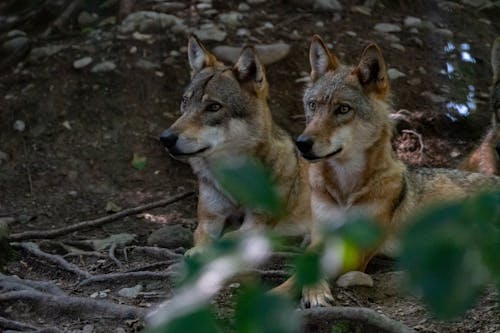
[(169, 139)]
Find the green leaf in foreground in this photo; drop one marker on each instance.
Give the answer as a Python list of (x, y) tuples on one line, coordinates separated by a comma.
[(308, 268), (139, 162), (261, 312), (249, 183), (199, 321)]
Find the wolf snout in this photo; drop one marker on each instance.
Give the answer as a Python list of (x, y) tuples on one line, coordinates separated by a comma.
[(304, 143), (168, 138)]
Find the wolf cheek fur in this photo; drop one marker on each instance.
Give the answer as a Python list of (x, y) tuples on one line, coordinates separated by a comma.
[(224, 113)]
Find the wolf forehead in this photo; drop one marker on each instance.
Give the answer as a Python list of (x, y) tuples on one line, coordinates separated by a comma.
[(336, 86), (220, 85)]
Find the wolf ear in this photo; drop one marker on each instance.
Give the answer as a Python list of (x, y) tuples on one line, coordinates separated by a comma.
[(321, 59), (248, 69), (372, 71), (198, 55), (495, 60)]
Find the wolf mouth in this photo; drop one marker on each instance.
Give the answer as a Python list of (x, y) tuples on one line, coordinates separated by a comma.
[(176, 153), (312, 158)]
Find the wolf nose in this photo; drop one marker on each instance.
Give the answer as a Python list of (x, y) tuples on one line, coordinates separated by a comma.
[(304, 143), (168, 138)]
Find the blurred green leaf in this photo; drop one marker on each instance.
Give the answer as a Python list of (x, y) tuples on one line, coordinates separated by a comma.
[(361, 232), (199, 321), (249, 183), (260, 312), (139, 162), (308, 268)]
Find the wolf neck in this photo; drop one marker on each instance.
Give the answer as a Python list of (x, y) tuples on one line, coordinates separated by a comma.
[(345, 179)]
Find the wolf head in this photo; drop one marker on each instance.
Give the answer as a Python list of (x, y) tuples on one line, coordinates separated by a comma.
[(345, 106), (223, 109), (495, 90)]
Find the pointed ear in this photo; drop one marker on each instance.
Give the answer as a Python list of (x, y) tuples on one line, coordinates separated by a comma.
[(249, 69), (372, 71), (321, 59), (198, 55), (495, 60)]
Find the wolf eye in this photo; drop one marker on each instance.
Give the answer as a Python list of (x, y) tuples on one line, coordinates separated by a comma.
[(184, 100), (343, 109), (214, 107), (311, 105)]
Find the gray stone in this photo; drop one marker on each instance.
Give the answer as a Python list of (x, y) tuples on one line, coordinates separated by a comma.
[(15, 44), (444, 32), (46, 51), (171, 236), (361, 10), (394, 74), (390, 37), (88, 329), (475, 3), (433, 97), (103, 67), (232, 19), (19, 125), (398, 47), (254, 2), (147, 21), (243, 7), (16, 33), (132, 292), (86, 19), (414, 82), (210, 31), (119, 240), (3, 157), (82, 62), (387, 27), (146, 65), (169, 7), (412, 22), (268, 53), (354, 278), (327, 5)]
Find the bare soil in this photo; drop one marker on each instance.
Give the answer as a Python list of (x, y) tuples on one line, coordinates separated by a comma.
[(83, 128)]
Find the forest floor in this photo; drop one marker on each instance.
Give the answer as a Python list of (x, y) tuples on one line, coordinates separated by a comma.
[(68, 137)]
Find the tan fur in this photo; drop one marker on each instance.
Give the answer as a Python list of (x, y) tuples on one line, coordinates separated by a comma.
[(356, 169), (486, 157), (243, 126)]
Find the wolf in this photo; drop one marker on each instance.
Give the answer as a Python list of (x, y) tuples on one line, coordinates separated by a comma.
[(486, 157), (224, 113), (353, 168)]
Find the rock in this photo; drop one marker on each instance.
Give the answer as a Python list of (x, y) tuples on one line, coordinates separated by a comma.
[(171, 236), (243, 7), (232, 19), (169, 7), (119, 330), (254, 2), (111, 20), (416, 41), (82, 62), (210, 31), (398, 47), (327, 5), (111, 207), (475, 3), (16, 33), (444, 32), (361, 10), (268, 53), (243, 32), (354, 278), (394, 74), (15, 44), (86, 19), (3, 157), (414, 82), (103, 67), (88, 329), (19, 125), (119, 240), (146, 65), (412, 22), (132, 292), (433, 97), (46, 51), (387, 27), (147, 21), (390, 283), (390, 37)]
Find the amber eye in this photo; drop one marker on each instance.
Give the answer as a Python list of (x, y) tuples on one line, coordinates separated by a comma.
[(184, 100), (214, 107), (343, 109), (311, 105)]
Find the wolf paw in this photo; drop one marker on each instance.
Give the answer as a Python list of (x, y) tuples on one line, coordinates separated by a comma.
[(194, 251), (317, 295)]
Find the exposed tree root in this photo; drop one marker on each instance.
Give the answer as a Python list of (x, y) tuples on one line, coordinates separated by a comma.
[(111, 255), (47, 234), (82, 306), (34, 250), (14, 283), (8, 324), (156, 252), (160, 264), (363, 315), (126, 277)]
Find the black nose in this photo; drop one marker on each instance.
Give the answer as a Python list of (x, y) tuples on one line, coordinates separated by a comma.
[(168, 138), (304, 143)]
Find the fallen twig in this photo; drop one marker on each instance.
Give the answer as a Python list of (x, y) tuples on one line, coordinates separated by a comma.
[(38, 234), (77, 305), (130, 276), (364, 315), (111, 254), (42, 286), (34, 250), (156, 252)]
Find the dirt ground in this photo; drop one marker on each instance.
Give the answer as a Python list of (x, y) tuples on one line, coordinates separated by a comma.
[(82, 130)]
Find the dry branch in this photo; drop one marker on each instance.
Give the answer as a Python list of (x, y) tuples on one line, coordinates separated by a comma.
[(77, 305), (97, 222), (363, 315), (34, 250), (127, 277)]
